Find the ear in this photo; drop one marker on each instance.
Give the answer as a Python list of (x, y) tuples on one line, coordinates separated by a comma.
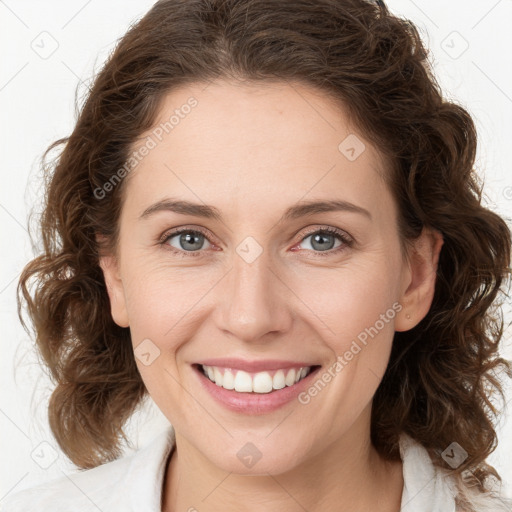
[(110, 268), (420, 279)]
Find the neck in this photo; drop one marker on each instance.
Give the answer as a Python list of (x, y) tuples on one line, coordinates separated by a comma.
[(348, 476)]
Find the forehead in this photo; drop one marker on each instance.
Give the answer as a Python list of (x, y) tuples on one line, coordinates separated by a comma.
[(236, 144)]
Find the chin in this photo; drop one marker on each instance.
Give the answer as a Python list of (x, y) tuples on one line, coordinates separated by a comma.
[(257, 459)]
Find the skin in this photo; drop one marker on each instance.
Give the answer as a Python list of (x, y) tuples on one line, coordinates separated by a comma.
[(287, 304)]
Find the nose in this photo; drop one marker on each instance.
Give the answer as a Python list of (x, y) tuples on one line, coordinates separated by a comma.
[(255, 301)]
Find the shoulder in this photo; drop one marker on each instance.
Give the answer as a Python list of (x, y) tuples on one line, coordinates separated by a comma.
[(427, 485), (134, 481)]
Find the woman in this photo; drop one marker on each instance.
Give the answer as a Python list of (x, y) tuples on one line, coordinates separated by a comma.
[(266, 219)]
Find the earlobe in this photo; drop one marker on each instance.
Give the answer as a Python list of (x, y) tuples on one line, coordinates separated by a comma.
[(417, 298), (115, 290)]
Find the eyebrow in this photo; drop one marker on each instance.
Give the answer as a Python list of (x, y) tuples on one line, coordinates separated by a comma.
[(298, 210)]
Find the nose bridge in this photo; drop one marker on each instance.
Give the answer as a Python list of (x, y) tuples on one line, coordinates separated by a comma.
[(253, 304)]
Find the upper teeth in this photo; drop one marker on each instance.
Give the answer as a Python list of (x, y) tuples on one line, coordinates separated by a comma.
[(261, 382)]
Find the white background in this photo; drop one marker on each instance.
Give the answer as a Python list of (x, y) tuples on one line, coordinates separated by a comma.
[(37, 93)]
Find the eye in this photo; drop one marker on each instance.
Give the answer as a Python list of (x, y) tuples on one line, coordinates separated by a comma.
[(322, 241), (185, 241), (189, 242)]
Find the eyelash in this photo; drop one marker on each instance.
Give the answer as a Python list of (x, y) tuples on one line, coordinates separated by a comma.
[(342, 236)]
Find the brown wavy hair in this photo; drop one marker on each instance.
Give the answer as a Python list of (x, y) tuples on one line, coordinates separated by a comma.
[(442, 375)]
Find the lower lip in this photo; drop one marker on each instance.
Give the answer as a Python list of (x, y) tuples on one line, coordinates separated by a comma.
[(254, 403)]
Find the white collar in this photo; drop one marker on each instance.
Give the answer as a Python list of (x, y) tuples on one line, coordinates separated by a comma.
[(426, 487), (134, 483)]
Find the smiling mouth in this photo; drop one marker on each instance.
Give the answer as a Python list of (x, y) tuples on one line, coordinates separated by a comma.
[(255, 382)]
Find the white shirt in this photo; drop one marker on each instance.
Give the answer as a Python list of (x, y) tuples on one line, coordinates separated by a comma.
[(135, 482)]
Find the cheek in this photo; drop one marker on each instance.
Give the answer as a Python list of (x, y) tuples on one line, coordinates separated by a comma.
[(351, 297), (164, 302), (354, 309), (151, 282)]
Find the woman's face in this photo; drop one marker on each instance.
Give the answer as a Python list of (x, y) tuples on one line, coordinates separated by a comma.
[(254, 284)]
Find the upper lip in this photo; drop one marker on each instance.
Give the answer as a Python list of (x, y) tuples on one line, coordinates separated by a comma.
[(254, 366)]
